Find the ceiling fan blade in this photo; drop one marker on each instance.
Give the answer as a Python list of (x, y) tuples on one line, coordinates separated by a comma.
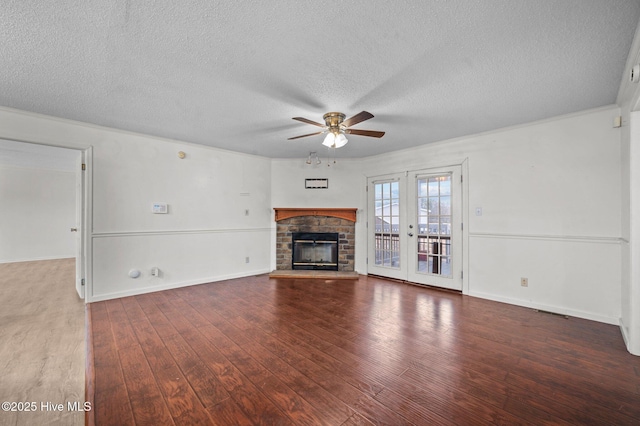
[(358, 118), (304, 136), (306, 120), (372, 133)]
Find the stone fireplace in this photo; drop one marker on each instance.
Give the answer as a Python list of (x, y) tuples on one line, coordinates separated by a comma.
[(292, 221)]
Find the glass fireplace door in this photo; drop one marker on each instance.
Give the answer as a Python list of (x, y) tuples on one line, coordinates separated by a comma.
[(315, 251)]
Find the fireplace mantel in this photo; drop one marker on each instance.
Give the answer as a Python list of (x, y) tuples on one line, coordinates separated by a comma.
[(342, 213)]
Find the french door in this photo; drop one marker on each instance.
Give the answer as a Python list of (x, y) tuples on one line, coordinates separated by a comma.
[(415, 228)]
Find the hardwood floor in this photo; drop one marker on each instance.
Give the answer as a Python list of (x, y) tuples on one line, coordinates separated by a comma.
[(373, 351), (42, 330)]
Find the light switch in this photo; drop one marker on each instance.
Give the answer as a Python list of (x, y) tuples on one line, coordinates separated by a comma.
[(478, 211)]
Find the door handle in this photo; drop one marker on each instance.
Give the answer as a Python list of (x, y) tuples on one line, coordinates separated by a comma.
[(74, 229), (410, 234)]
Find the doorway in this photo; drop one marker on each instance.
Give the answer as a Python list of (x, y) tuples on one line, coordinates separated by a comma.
[(415, 226), (45, 192)]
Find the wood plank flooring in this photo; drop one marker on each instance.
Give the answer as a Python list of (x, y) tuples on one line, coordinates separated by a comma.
[(335, 352), (42, 330)]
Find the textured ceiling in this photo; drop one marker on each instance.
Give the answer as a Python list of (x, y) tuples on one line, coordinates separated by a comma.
[(231, 74)]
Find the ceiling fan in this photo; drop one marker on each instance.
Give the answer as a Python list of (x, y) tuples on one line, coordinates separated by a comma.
[(336, 127)]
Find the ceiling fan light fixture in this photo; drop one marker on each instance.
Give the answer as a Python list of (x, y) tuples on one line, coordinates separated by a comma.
[(329, 140), (341, 140)]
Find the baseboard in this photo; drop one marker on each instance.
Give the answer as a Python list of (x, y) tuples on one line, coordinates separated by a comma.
[(36, 259), (625, 336), (627, 339), (549, 308), (153, 289)]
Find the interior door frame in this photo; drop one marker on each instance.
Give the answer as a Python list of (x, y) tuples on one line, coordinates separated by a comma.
[(465, 208), (79, 225), (83, 207), (85, 203)]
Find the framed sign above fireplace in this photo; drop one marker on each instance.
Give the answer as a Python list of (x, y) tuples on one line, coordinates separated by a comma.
[(316, 183)]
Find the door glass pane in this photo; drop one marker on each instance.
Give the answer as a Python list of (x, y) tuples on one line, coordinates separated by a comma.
[(422, 188), (445, 187), (433, 205), (445, 225), (387, 224), (433, 185), (434, 225), (445, 205)]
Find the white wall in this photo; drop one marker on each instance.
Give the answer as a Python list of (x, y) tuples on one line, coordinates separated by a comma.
[(630, 319), (629, 101), (626, 293), (37, 210), (205, 237)]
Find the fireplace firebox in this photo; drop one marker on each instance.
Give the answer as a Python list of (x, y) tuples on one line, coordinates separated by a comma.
[(313, 250)]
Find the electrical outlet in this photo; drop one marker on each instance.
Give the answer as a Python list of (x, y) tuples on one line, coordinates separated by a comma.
[(246, 259), (524, 282)]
